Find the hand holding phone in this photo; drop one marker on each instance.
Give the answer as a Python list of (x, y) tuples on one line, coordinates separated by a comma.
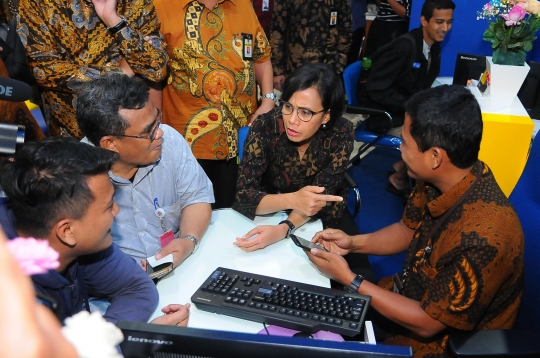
[(305, 244)]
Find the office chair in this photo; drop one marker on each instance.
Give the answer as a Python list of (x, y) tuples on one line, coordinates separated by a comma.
[(242, 135), (524, 339), (362, 134)]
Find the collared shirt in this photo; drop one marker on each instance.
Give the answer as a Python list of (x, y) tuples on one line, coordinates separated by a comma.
[(66, 44), (473, 277), (211, 89), (271, 164), (308, 31), (176, 180)]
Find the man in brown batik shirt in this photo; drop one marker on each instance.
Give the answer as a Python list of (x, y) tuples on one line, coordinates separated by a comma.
[(464, 242)]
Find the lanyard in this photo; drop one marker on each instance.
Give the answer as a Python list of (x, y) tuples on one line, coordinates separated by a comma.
[(160, 213)]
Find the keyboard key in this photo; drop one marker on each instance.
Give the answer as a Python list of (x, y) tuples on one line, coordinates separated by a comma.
[(353, 325), (338, 322), (356, 318), (315, 317), (330, 320)]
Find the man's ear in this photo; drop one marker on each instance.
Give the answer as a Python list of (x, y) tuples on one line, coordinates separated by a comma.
[(108, 142), (64, 232), (436, 157), (423, 21)]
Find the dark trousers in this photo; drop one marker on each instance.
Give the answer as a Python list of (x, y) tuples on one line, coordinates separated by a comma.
[(223, 175)]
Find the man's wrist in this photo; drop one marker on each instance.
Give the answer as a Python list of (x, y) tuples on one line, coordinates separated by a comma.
[(355, 283), (113, 30), (193, 239)]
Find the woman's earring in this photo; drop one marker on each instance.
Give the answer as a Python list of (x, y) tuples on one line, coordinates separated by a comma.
[(324, 126)]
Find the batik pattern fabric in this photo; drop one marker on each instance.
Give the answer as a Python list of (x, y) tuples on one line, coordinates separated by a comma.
[(67, 44), (310, 31), (271, 164), (471, 277), (211, 90)]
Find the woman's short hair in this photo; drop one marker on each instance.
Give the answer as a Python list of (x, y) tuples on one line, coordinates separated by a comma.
[(325, 80)]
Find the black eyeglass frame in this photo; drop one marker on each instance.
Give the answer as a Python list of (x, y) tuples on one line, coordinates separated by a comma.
[(151, 135), (283, 103)]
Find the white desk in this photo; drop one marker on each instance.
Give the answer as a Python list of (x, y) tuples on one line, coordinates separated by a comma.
[(282, 259)]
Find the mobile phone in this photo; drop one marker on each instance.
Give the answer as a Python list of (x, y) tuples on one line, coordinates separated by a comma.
[(305, 244)]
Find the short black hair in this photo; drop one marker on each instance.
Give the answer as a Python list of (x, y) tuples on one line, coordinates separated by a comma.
[(430, 5), (448, 117), (99, 102), (327, 82), (46, 181)]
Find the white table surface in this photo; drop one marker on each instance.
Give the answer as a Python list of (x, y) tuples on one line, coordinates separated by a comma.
[(282, 259)]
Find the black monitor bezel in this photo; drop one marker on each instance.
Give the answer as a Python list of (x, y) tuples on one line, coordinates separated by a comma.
[(213, 343)]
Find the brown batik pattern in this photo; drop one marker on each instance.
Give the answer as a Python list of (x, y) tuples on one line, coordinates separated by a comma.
[(271, 164), (301, 33), (67, 43), (473, 277)]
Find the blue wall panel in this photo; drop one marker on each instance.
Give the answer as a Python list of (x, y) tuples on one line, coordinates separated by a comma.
[(466, 34)]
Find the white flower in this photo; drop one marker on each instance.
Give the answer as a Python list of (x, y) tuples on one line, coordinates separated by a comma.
[(92, 336)]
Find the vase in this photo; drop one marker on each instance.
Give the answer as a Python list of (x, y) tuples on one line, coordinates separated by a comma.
[(504, 83), (512, 58)]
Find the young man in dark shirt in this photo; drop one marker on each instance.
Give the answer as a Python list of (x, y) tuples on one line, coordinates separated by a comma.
[(59, 190), (408, 65)]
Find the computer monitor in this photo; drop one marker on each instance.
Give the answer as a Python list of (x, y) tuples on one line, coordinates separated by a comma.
[(144, 340), (468, 67)]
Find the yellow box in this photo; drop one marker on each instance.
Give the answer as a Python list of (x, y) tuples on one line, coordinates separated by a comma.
[(505, 144)]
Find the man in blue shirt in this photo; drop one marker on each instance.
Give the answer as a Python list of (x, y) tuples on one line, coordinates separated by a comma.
[(58, 189)]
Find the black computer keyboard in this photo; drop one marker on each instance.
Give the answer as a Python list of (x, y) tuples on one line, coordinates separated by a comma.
[(275, 301)]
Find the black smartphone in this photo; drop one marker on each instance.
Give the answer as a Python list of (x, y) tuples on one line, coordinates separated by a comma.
[(305, 244)]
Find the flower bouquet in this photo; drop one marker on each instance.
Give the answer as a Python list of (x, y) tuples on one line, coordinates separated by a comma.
[(512, 28)]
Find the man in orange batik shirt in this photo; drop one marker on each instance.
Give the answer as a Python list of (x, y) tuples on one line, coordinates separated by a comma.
[(218, 53)]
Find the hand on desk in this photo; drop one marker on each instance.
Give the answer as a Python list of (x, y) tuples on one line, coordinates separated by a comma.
[(331, 265), (335, 241), (175, 315), (265, 235)]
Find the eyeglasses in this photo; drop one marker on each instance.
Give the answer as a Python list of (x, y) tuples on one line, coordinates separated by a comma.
[(304, 114), (152, 134)]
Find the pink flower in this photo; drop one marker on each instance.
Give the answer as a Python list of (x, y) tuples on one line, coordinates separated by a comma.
[(516, 14), (34, 256)]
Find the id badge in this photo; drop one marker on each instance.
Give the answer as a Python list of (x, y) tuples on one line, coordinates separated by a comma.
[(398, 284), (166, 238), (247, 46), (333, 18), (265, 5)]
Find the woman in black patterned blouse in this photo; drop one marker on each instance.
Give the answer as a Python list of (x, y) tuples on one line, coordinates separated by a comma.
[(295, 157)]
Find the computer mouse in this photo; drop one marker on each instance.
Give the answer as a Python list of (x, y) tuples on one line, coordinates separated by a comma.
[(302, 335)]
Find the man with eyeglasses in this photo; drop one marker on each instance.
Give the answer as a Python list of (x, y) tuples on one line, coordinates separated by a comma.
[(163, 194)]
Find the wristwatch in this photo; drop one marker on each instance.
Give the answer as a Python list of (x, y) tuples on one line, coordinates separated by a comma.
[(272, 96), (116, 28), (355, 284), (194, 240), (290, 225)]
